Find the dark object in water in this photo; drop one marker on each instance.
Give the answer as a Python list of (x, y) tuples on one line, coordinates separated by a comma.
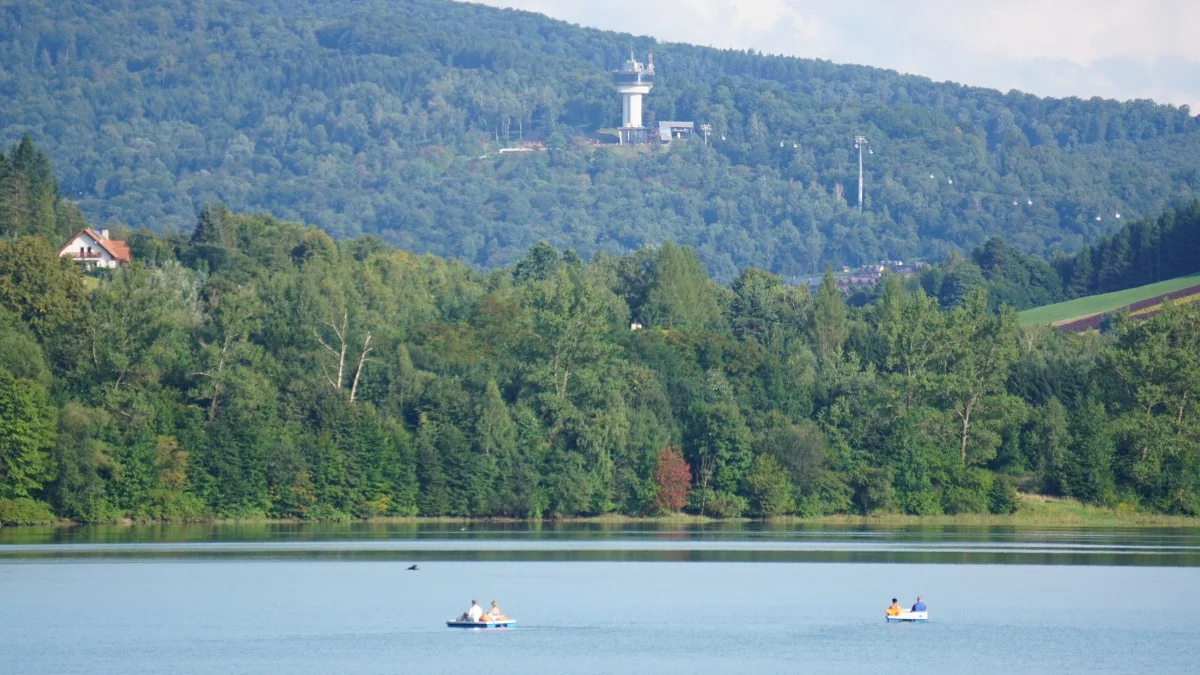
[(413, 568)]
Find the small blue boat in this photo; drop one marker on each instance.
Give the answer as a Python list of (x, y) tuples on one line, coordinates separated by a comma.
[(909, 617), (482, 624)]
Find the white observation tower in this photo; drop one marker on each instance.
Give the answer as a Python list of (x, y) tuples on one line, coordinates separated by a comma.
[(633, 81)]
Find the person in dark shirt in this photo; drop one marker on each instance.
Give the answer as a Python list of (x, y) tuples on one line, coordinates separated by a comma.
[(920, 606)]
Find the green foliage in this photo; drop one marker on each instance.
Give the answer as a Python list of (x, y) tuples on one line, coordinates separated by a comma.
[(26, 435), (1002, 497), (1142, 260), (681, 296), (85, 464), (25, 511), (720, 439), (872, 488), (830, 327), (716, 503), (1155, 365), (768, 488), (386, 118), (1048, 440), (29, 199), (969, 493), (1140, 253), (1092, 455), (292, 377), (20, 354), (1014, 279), (37, 285)]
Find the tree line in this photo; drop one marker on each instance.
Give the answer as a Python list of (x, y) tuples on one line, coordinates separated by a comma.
[(258, 368)]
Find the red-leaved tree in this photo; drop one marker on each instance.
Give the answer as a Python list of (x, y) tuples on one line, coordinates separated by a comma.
[(673, 478)]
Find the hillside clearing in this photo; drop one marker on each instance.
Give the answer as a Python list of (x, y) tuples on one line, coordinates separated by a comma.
[(1107, 302)]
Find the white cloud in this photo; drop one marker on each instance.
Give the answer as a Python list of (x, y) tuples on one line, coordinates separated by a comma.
[(1047, 47)]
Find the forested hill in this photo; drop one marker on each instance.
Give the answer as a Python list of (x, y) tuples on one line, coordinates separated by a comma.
[(385, 117)]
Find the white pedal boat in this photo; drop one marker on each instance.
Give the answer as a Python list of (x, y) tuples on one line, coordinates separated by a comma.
[(909, 617), (507, 623)]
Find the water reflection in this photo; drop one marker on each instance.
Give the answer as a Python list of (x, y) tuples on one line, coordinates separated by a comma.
[(655, 541)]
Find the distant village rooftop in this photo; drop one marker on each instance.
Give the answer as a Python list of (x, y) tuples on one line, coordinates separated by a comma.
[(869, 275)]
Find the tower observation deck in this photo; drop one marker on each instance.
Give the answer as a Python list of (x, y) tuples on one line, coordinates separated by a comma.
[(633, 81)]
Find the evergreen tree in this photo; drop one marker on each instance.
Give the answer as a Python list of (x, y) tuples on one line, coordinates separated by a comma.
[(830, 325), (681, 295), (209, 243)]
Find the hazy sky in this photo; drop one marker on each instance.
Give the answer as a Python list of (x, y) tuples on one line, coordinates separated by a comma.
[(1119, 49)]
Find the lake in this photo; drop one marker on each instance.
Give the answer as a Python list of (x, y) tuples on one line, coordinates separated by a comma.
[(642, 598)]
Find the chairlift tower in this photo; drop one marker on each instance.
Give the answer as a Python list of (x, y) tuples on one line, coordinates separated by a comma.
[(859, 142), (633, 81)]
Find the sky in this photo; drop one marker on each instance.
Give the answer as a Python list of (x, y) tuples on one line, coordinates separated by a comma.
[(1122, 49)]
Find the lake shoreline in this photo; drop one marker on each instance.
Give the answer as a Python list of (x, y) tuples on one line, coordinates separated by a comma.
[(1033, 511)]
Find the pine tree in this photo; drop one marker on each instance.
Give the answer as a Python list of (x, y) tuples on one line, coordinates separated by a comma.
[(1082, 275), (209, 241)]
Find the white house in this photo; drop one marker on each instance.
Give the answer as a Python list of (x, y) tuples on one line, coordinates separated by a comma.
[(93, 249)]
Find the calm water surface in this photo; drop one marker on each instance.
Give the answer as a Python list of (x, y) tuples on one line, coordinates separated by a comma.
[(594, 599)]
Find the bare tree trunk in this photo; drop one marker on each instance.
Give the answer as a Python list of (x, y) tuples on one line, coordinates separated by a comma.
[(362, 358), (1146, 448), (212, 405), (339, 354), (966, 426)]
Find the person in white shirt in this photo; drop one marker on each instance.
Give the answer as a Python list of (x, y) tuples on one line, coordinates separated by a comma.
[(475, 612)]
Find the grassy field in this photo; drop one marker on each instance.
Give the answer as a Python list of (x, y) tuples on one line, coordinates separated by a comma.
[(1097, 304)]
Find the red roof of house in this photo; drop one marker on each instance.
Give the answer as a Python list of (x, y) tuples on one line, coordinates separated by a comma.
[(119, 250)]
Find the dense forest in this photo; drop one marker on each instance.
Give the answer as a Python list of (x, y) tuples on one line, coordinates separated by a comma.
[(379, 117), (258, 368)]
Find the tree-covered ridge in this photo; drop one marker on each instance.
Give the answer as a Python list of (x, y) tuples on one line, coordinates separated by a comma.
[(383, 117), (258, 368)]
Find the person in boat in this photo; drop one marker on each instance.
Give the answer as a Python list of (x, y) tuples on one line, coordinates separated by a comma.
[(919, 606), (894, 609), (494, 614), (475, 613)]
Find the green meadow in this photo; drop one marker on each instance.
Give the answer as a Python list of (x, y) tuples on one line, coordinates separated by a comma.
[(1107, 302)]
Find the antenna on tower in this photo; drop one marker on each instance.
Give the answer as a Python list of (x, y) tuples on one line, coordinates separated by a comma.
[(859, 142)]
